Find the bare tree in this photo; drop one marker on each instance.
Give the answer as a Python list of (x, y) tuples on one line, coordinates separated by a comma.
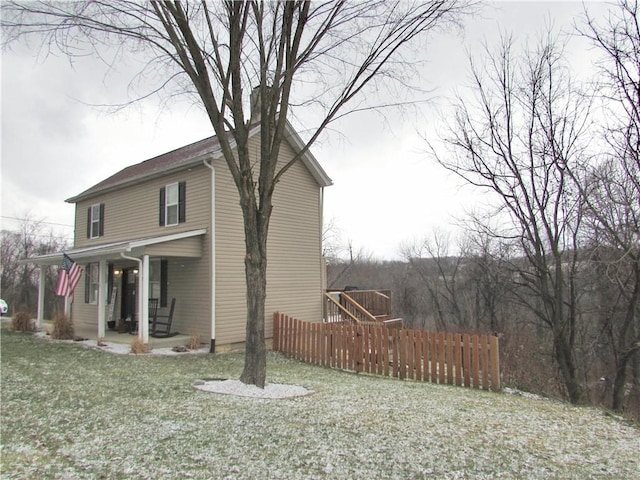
[(439, 272), (517, 138), (489, 276), (19, 281), (321, 55), (611, 189)]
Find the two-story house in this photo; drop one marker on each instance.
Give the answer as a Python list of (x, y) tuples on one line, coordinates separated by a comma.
[(171, 227)]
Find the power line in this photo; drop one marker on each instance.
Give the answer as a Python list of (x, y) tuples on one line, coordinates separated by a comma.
[(37, 221), (41, 235)]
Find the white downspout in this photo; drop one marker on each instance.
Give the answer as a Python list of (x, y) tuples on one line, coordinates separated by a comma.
[(143, 303), (323, 262), (212, 255)]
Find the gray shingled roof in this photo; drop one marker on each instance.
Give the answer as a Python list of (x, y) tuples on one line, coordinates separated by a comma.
[(176, 159), (182, 158)]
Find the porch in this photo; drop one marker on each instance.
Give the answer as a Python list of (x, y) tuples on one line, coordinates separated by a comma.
[(112, 336)]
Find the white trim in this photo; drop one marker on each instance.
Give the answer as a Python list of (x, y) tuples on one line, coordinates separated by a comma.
[(115, 248), (143, 322), (41, 287), (103, 280)]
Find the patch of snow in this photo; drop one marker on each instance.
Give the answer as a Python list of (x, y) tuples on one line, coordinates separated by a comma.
[(236, 387), (520, 393)]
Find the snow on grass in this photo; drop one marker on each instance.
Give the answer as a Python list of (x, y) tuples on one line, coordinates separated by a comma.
[(70, 412)]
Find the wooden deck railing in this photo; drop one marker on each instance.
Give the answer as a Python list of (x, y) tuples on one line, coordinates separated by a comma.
[(376, 302), (335, 312), (359, 307), (455, 359)]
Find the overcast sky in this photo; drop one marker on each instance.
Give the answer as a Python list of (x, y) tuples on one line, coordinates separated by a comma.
[(387, 191)]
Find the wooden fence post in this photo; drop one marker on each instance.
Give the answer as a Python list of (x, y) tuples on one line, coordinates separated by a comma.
[(484, 361), (441, 348), (434, 357), (418, 361), (276, 331), (449, 358), (458, 347), (475, 354), (466, 359), (495, 363)]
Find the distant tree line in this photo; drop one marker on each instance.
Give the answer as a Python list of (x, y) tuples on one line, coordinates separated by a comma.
[(19, 281)]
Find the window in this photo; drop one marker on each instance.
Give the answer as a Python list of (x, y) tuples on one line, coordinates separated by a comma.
[(158, 280), (91, 283), (154, 279), (173, 204), (95, 220)]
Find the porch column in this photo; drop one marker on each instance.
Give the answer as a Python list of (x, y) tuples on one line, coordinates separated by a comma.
[(143, 306), (103, 280), (41, 285)]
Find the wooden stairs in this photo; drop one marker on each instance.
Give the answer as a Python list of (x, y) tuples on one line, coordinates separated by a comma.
[(360, 307)]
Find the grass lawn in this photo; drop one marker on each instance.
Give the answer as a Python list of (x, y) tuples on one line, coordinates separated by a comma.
[(74, 412)]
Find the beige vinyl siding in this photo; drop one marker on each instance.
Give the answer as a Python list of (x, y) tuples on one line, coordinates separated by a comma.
[(132, 212), (294, 276), (294, 282), (294, 271), (231, 305), (193, 297), (83, 314), (186, 247)]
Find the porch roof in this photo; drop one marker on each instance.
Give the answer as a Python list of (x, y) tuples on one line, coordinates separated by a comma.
[(109, 250)]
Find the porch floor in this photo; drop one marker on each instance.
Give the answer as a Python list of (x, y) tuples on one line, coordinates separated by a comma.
[(111, 336)]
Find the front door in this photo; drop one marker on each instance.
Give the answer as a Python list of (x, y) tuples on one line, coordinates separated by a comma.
[(129, 293)]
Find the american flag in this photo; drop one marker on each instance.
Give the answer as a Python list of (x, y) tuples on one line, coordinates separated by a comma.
[(68, 277)]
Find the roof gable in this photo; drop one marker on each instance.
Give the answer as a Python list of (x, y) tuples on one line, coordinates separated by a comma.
[(187, 156)]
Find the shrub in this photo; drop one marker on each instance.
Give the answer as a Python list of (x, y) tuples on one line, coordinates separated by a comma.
[(22, 322), (62, 328), (138, 346), (194, 342)]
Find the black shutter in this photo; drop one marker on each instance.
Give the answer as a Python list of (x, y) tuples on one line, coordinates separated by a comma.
[(162, 206), (164, 264), (87, 276), (89, 222), (101, 232), (182, 202), (110, 283)]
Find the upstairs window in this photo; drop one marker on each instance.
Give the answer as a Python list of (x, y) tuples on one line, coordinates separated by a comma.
[(173, 204), (95, 220)]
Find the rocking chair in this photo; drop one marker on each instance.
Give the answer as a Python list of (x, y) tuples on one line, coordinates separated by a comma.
[(161, 324)]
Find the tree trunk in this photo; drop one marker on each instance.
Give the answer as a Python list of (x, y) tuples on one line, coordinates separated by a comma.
[(255, 363), (564, 358), (256, 227), (617, 403)]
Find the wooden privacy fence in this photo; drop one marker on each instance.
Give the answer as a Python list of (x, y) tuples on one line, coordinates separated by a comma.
[(449, 358)]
